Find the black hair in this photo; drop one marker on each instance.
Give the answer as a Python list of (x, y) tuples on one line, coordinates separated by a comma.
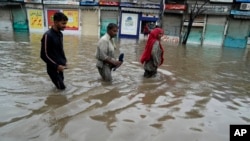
[(111, 26), (59, 16)]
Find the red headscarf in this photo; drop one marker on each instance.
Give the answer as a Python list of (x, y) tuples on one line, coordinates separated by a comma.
[(153, 36)]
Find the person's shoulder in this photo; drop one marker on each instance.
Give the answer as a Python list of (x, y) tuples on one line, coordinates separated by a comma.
[(156, 43), (105, 37), (48, 32)]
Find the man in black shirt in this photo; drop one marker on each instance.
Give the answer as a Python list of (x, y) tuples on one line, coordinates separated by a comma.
[(52, 52)]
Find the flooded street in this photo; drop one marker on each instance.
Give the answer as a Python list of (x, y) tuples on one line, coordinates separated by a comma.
[(197, 93)]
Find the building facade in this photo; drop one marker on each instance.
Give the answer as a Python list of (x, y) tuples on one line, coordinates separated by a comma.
[(222, 23)]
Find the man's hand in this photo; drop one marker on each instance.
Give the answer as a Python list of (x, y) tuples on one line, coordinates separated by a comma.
[(61, 68)]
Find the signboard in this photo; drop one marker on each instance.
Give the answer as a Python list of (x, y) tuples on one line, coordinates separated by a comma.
[(245, 6), (35, 19), (89, 2), (109, 2), (141, 3), (195, 24), (33, 1), (129, 23), (241, 13), (213, 9), (242, 0), (67, 2), (175, 6), (222, 1)]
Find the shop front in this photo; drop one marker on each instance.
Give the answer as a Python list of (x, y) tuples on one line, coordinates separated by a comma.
[(109, 13), (196, 34), (5, 16), (19, 16), (135, 15), (216, 22), (238, 32), (172, 23), (89, 18), (6, 28), (70, 8)]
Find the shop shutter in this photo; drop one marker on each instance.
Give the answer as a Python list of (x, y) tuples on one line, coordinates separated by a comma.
[(90, 22), (214, 33), (172, 24), (106, 18)]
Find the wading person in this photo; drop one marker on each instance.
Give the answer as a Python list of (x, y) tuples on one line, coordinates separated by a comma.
[(105, 53), (152, 56), (52, 52), (146, 30)]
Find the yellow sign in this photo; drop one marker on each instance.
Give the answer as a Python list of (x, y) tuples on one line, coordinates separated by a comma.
[(73, 19), (35, 19)]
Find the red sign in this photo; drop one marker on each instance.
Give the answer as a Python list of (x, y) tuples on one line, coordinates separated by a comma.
[(109, 3), (50, 14), (175, 7)]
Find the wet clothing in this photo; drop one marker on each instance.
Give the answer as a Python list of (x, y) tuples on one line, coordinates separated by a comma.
[(152, 56), (52, 53), (105, 49), (151, 65)]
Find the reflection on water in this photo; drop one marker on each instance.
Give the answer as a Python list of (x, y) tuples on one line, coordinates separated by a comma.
[(197, 93)]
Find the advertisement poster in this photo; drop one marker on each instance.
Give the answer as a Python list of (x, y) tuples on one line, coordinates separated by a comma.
[(129, 24), (73, 19), (35, 19), (50, 14)]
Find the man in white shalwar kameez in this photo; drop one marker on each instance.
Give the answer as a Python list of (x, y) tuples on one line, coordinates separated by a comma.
[(105, 53)]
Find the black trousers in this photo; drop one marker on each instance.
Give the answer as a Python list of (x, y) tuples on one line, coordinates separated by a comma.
[(56, 77)]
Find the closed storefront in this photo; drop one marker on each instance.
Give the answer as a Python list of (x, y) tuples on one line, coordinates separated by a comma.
[(237, 33), (19, 17), (5, 16), (214, 31), (90, 20), (90, 13), (238, 30), (172, 24), (6, 29), (108, 15), (196, 33)]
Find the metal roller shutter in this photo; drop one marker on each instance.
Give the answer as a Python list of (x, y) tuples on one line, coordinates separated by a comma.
[(90, 22), (5, 22), (172, 24), (214, 33), (106, 18)]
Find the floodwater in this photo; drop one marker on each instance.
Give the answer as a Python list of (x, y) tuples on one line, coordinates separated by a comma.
[(197, 94)]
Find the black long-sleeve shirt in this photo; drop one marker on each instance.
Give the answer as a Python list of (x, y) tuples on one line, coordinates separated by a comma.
[(52, 52)]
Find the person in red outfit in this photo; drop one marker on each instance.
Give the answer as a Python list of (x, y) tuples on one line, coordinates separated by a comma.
[(152, 56)]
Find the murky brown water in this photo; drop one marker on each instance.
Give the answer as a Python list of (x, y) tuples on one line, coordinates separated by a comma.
[(196, 95)]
